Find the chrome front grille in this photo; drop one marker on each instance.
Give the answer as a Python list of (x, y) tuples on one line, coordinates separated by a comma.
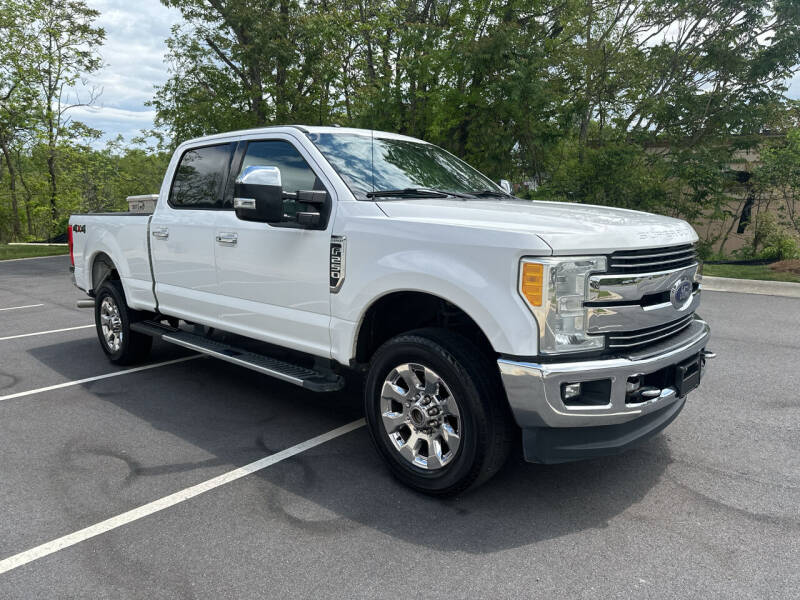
[(642, 337), (652, 259), (631, 304)]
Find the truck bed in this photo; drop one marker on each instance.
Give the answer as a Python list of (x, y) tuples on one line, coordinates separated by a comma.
[(126, 240)]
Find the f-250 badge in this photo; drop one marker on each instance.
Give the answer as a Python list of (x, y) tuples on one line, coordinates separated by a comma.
[(337, 261)]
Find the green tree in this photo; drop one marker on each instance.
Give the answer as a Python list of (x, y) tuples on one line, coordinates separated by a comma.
[(243, 63), (16, 99), (60, 41)]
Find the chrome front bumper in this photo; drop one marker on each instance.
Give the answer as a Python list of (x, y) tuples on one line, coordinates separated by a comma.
[(534, 389)]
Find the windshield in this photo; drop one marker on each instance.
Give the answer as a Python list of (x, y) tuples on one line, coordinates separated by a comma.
[(406, 168)]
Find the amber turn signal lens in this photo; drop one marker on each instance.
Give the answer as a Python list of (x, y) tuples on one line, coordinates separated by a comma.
[(533, 282)]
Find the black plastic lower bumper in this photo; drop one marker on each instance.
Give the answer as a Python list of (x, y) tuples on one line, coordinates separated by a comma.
[(551, 445)]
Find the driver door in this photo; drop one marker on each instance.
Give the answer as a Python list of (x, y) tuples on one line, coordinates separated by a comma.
[(273, 279)]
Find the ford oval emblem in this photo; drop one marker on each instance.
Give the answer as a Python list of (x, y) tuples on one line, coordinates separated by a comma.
[(681, 294)]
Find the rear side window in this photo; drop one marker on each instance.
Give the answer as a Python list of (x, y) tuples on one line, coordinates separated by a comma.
[(200, 178)]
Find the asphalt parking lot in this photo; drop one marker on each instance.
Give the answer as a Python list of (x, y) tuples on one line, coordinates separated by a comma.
[(708, 509)]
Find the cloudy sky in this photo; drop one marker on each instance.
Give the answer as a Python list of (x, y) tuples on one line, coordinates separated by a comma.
[(134, 58)]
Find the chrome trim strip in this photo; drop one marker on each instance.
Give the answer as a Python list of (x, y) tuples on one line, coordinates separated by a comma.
[(631, 318), (615, 287), (624, 335), (613, 344), (659, 306)]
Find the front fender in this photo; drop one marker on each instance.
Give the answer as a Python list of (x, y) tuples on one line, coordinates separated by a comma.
[(482, 290)]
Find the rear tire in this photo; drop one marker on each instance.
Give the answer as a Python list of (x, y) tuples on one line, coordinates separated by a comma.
[(437, 412), (112, 318)]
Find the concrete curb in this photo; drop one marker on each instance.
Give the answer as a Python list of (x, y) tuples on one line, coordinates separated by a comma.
[(751, 286)]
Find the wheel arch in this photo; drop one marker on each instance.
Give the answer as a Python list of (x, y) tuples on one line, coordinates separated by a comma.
[(399, 311), (103, 268)]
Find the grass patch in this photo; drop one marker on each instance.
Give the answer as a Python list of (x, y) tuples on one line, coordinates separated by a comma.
[(762, 272), (7, 252)]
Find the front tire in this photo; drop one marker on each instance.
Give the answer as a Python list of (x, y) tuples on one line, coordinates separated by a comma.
[(436, 412), (112, 318)]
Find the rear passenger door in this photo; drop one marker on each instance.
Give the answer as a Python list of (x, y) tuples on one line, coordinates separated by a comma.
[(274, 279), (182, 234)]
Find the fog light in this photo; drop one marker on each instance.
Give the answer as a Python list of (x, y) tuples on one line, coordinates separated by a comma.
[(570, 391)]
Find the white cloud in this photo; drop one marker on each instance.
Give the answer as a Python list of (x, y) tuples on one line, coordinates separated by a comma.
[(108, 113), (133, 55)]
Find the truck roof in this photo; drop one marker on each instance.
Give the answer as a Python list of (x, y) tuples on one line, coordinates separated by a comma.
[(308, 129)]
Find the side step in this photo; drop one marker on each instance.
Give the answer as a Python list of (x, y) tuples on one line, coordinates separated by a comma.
[(310, 379)]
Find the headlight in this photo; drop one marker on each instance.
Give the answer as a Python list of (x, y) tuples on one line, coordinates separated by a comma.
[(555, 289)]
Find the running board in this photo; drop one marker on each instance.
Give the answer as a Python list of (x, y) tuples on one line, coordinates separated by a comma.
[(310, 379)]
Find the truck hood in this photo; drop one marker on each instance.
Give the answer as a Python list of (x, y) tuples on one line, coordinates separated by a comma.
[(568, 228)]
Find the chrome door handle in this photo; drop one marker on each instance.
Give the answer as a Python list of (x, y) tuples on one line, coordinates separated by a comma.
[(161, 233), (227, 239)]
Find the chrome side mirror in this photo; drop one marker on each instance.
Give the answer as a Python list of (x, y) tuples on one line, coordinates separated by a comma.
[(258, 194), (505, 184), (260, 175)]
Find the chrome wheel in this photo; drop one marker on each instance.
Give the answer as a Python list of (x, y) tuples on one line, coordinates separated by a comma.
[(420, 416), (111, 324)]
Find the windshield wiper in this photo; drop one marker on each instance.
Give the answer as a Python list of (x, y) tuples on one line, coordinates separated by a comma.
[(490, 194), (420, 192)]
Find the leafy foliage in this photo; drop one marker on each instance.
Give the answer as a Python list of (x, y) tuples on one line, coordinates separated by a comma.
[(47, 46), (642, 104)]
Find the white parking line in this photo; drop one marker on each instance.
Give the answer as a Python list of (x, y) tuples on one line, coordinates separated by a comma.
[(145, 510), (58, 386), (37, 244), (22, 335), (5, 260), (18, 307)]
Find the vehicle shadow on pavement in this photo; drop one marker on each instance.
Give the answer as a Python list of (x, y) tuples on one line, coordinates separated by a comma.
[(524, 504), (239, 416)]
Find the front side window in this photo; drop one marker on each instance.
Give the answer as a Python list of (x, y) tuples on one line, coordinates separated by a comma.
[(295, 172), (372, 164), (200, 177)]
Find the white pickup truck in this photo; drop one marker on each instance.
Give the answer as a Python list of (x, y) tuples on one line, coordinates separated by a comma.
[(309, 252)]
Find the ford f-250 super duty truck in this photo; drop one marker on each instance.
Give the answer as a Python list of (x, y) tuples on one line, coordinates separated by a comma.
[(308, 252)]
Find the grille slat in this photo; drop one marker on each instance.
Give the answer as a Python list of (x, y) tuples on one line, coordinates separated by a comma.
[(671, 253), (652, 264), (649, 335), (629, 261)]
